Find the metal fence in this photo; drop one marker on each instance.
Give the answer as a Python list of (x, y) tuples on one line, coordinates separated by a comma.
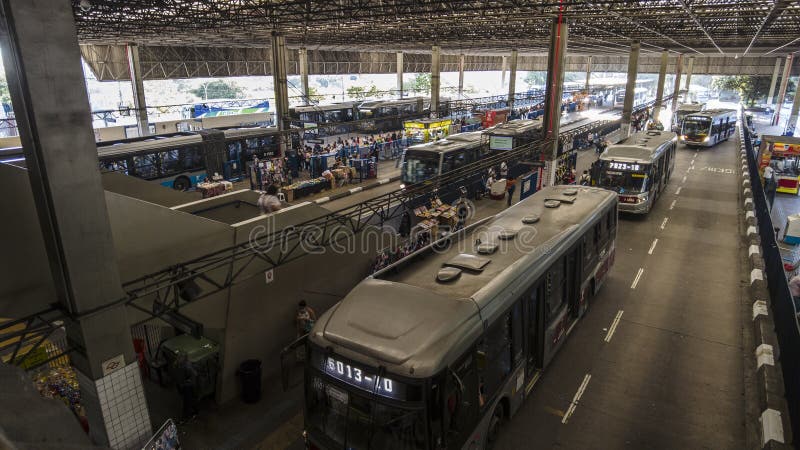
[(786, 325)]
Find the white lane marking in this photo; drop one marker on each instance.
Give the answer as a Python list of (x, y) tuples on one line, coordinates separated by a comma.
[(613, 327), (678, 192), (664, 223), (684, 179), (576, 399), (652, 246), (672, 205), (638, 276)]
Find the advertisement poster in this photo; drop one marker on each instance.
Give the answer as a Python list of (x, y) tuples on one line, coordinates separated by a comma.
[(166, 438)]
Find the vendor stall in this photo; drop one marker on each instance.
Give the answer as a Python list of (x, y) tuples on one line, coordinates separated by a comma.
[(424, 130), (305, 188), (492, 117), (214, 188), (783, 154), (322, 162), (266, 172)]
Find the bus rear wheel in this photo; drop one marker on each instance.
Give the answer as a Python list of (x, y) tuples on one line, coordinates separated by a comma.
[(181, 184)]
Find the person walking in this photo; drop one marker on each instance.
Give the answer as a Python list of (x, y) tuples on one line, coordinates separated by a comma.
[(585, 178), (187, 386), (769, 185), (269, 201)]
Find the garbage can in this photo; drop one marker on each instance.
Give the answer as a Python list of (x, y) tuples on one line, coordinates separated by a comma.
[(250, 374)]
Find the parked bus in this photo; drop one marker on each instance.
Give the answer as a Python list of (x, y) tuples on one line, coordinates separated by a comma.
[(438, 349), (425, 161), (181, 160), (708, 128), (387, 115), (320, 114), (682, 111), (639, 97), (637, 169)]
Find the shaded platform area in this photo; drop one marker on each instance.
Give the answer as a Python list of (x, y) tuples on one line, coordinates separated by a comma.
[(671, 373)]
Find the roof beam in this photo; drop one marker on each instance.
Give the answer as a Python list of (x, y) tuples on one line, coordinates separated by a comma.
[(777, 9)]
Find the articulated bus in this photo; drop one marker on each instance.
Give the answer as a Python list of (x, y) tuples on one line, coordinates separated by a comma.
[(333, 113), (708, 128), (387, 115), (437, 350), (425, 161), (510, 135), (682, 111), (637, 169), (181, 160)]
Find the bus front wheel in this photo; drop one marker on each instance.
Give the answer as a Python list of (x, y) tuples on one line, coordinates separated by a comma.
[(181, 184), (494, 427)]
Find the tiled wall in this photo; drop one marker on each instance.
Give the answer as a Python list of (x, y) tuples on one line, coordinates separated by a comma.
[(120, 397)]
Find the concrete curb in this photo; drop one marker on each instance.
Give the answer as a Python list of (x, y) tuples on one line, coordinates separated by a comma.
[(774, 428), (355, 190)]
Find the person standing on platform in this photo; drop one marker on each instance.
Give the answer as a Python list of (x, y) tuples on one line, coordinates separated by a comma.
[(187, 386), (269, 201), (511, 186), (769, 185)]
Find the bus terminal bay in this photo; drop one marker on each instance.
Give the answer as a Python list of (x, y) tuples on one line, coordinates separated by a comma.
[(575, 235)]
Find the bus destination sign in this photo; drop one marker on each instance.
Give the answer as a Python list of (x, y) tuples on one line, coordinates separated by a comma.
[(624, 166), (363, 379)]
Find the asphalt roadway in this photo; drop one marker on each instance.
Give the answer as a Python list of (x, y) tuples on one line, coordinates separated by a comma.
[(670, 374)]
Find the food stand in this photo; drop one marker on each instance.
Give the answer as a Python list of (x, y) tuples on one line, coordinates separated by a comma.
[(492, 117), (424, 130), (785, 149)]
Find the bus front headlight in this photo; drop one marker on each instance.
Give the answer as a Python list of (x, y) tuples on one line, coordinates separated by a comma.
[(706, 138)]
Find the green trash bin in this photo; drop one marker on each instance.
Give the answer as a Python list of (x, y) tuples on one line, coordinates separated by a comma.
[(203, 353)]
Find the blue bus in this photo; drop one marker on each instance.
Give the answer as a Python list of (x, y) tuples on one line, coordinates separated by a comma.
[(181, 160)]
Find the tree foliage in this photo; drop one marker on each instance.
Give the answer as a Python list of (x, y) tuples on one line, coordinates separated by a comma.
[(421, 83), (360, 92), (750, 88), (534, 79), (217, 89)]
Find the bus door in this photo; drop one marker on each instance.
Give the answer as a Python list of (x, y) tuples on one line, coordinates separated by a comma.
[(534, 330)]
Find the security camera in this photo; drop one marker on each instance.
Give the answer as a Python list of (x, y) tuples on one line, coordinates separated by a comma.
[(86, 5)]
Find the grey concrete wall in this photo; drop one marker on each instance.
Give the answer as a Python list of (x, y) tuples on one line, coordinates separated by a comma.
[(27, 284)]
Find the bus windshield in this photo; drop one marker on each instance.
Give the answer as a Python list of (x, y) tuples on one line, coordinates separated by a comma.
[(419, 166), (623, 182), (696, 126), (353, 421)]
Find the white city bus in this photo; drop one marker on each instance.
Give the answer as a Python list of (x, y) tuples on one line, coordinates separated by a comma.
[(708, 128)]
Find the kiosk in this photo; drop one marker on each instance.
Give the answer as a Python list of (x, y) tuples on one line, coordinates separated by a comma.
[(783, 154), (424, 130)]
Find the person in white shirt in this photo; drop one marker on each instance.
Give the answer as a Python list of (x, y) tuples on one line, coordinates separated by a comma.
[(768, 174), (269, 201)]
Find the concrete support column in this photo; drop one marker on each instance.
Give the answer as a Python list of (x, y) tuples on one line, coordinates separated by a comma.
[(792, 123), (302, 54), (400, 73), (588, 74), (512, 80), (662, 77), (435, 81), (551, 121), (689, 68), (137, 86), (677, 87), (280, 84), (503, 71), (775, 74), (39, 46), (461, 75), (627, 106), (787, 71)]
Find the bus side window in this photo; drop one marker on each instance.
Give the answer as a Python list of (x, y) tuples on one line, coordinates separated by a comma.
[(493, 356), (555, 290)]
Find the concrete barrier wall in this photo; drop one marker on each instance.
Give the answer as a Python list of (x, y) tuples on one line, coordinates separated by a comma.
[(774, 427)]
